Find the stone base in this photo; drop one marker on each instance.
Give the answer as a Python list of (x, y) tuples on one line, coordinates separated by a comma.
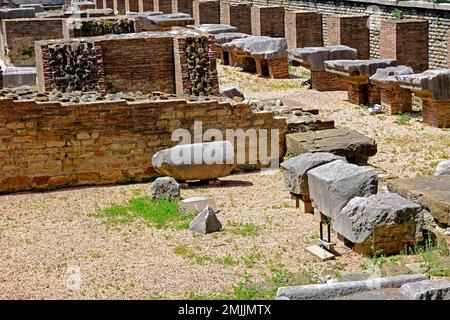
[(358, 93), (327, 81), (369, 248), (303, 202), (374, 94), (279, 68), (396, 100), (436, 113)]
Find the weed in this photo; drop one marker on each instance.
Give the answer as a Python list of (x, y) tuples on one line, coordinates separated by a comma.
[(403, 118), (251, 260), (244, 229)]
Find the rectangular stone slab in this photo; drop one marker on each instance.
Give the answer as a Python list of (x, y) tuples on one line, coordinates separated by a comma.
[(356, 147), (433, 193)]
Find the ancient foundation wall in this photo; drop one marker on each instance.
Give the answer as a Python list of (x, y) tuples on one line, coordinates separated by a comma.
[(437, 15), (19, 36), (51, 145)]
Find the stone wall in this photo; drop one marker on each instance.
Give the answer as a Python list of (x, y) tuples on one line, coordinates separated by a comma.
[(51, 145), (19, 36), (438, 16), (91, 27), (150, 68)]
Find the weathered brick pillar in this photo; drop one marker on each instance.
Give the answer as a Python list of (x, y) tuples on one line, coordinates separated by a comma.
[(99, 4), (119, 6), (395, 100), (358, 92), (164, 6), (303, 29), (352, 31), (268, 21), (405, 41), (147, 5), (206, 11), (238, 15), (108, 4), (435, 113), (327, 81), (184, 6), (132, 5), (279, 68)]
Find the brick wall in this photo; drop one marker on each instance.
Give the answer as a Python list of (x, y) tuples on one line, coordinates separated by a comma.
[(303, 29), (51, 145), (119, 6), (150, 68), (268, 21), (19, 36), (184, 6), (206, 11), (99, 4), (132, 5), (352, 31), (164, 6), (438, 19), (405, 41), (147, 5), (238, 15)]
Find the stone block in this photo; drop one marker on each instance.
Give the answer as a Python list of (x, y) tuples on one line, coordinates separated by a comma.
[(333, 185), (354, 146), (197, 204), (427, 290)]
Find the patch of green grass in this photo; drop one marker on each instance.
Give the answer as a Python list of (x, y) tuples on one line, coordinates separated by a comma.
[(251, 260), (432, 255), (157, 296), (228, 261), (160, 213), (403, 118), (381, 118), (244, 229), (190, 255)]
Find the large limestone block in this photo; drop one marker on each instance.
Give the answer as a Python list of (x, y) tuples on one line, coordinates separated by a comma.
[(435, 82), (213, 28), (316, 56), (380, 218), (427, 290), (16, 13), (226, 37), (443, 168), (433, 193), (259, 47), (354, 146), (333, 185), (199, 161), (358, 67), (296, 169), (388, 76)]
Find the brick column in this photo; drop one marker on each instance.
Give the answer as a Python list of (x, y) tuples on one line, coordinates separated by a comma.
[(99, 4), (395, 100), (132, 5), (1, 78), (435, 113), (327, 81), (352, 31), (238, 15), (303, 29), (108, 4), (119, 6), (164, 6), (358, 91), (405, 41), (279, 68), (147, 5), (184, 6), (268, 21), (206, 11)]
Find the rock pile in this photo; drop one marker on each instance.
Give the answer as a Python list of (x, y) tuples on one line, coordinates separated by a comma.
[(98, 27)]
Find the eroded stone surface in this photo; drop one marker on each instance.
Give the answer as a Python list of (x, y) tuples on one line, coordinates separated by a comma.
[(206, 222), (226, 37), (316, 56), (354, 146), (436, 82), (333, 185), (443, 168), (213, 28), (433, 193), (259, 47), (296, 169), (427, 290), (387, 76), (199, 161), (380, 218), (358, 67), (165, 188)]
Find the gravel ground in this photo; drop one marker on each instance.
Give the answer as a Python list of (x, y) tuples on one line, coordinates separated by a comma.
[(44, 234), (46, 237)]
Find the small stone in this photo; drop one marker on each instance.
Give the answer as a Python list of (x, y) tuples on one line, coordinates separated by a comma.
[(427, 290), (197, 204), (232, 92), (206, 222), (165, 188), (443, 168)]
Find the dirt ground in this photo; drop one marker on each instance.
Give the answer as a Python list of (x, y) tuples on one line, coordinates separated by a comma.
[(49, 239)]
